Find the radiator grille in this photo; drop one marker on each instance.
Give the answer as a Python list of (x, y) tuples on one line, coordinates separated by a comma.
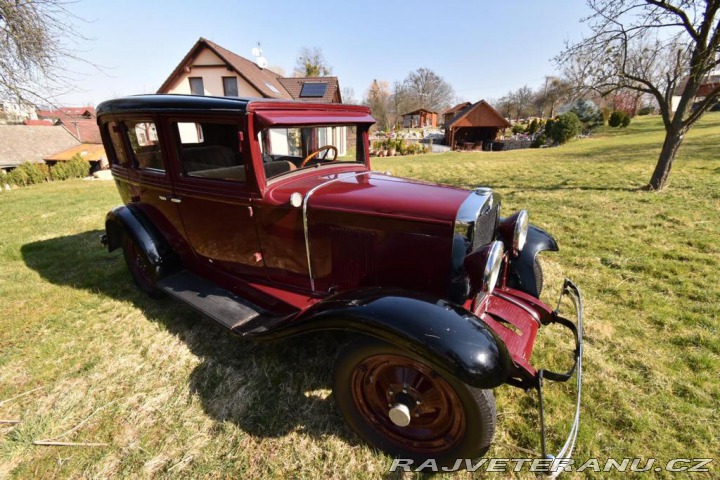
[(485, 227)]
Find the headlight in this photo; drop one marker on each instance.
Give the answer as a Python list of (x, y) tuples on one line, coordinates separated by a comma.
[(521, 229), (514, 229), (492, 266), (483, 266)]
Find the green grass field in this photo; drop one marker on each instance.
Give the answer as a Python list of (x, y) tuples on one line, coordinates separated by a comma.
[(86, 358)]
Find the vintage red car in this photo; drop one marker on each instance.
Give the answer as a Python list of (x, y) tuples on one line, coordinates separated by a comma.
[(266, 216)]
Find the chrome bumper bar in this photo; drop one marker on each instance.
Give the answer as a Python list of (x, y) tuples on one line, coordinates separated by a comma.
[(572, 291)]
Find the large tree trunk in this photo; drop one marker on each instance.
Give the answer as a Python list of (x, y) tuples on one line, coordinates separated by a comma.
[(673, 139)]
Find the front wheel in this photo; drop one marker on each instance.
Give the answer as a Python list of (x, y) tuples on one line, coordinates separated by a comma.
[(398, 403)]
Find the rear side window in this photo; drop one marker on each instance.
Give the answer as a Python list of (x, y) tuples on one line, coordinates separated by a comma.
[(143, 139), (210, 150), (118, 156)]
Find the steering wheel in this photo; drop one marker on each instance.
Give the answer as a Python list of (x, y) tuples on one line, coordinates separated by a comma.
[(318, 151)]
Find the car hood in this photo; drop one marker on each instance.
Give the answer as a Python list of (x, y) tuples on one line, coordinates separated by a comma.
[(378, 194)]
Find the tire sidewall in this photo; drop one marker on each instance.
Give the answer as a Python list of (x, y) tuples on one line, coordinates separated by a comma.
[(146, 285)]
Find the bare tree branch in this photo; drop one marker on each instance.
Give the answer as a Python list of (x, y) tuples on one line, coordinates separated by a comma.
[(666, 48)]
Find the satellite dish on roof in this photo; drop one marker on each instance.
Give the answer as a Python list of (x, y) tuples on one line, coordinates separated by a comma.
[(260, 61)]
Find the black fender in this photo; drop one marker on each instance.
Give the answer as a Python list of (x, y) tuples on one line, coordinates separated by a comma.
[(524, 272), (450, 338), (129, 220)]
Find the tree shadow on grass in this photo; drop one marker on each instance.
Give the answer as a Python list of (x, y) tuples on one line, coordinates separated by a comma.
[(268, 390)]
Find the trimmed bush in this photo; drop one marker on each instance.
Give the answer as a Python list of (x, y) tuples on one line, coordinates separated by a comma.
[(646, 111), (533, 127), (27, 174), (616, 118), (566, 127), (75, 168), (625, 121)]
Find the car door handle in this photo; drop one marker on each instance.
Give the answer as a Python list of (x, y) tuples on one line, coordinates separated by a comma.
[(162, 197), (175, 199)]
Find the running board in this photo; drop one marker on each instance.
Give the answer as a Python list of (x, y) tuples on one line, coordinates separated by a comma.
[(217, 303)]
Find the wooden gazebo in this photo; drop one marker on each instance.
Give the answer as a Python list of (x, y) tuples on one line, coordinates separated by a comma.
[(474, 125)]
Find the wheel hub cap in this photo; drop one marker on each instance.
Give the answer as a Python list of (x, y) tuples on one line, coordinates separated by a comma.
[(400, 415)]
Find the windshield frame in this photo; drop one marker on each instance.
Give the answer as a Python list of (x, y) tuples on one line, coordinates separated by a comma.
[(360, 148)]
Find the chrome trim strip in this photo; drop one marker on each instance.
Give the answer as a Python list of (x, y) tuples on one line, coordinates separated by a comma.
[(576, 297), (518, 304), (305, 217)]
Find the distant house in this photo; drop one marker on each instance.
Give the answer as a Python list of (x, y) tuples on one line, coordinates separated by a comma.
[(93, 153), (31, 143), (419, 118), (709, 83), (14, 112), (451, 112), (79, 121), (474, 125), (209, 69)]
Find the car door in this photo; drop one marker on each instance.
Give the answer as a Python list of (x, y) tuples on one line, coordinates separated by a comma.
[(143, 175), (214, 189)]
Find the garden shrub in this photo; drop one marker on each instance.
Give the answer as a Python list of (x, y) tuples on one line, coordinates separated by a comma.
[(605, 112), (77, 167), (533, 127), (539, 141), (565, 127), (625, 121), (646, 111), (27, 174), (588, 113), (616, 118)]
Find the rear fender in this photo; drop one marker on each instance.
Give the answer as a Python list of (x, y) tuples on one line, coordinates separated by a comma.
[(449, 337), (522, 273), (127, 220)]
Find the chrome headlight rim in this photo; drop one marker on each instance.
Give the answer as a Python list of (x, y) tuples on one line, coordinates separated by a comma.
[(522, 224), (493, 263)]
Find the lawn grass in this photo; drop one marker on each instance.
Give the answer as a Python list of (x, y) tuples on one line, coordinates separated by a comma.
[(173, 396)]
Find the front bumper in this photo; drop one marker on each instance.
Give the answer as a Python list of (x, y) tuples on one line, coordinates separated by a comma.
[(573, 293), (516, 318)]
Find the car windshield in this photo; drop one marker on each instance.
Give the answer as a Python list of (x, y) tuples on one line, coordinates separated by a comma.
[(285, 149)]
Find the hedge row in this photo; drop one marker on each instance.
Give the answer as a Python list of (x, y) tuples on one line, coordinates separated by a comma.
[(33, 173)]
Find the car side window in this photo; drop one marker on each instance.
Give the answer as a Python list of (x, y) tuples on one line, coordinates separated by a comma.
[(143, 138), (118, 156), (210, 150)]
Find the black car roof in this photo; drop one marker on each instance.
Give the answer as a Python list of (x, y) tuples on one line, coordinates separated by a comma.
[(139, 103)]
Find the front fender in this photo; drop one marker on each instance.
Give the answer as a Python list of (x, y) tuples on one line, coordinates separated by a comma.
[(522, 271), (449, 337)]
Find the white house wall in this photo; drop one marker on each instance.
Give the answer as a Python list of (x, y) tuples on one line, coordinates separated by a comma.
[(212, 78)]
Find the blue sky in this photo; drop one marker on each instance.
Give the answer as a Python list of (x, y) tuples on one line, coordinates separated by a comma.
[(482, 48)]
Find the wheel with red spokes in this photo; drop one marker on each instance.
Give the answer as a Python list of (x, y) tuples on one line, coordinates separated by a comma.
[(398, 403), (144, 273)]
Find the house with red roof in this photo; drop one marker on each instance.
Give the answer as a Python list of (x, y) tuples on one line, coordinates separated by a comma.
[(209, 69), (78, 121)]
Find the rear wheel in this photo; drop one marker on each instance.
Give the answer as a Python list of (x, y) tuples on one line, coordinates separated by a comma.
[(398, 403), (144, 273)]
